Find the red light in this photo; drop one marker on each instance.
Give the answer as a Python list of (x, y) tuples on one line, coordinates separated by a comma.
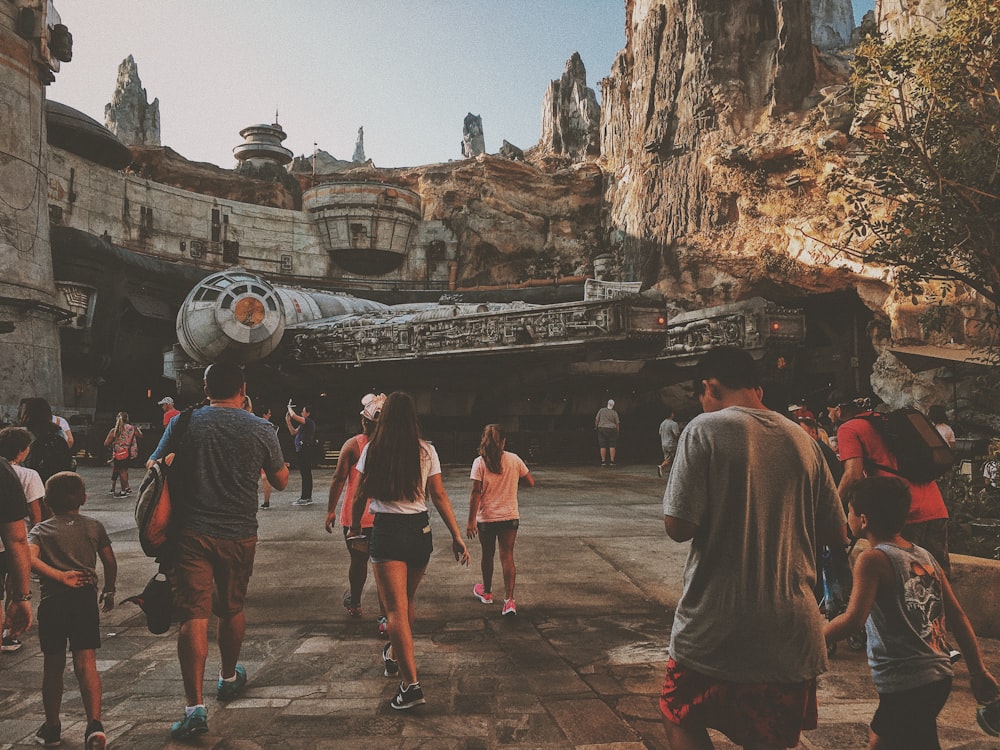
[(775, 326), (661, 321)]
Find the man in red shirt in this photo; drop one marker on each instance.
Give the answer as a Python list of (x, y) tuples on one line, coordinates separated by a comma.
[(169, 412), (862, 451)]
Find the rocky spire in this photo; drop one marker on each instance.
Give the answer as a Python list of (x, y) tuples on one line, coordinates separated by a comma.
[(473, 142), (359, 148), (130, 116), (571, 116), (832, 23)]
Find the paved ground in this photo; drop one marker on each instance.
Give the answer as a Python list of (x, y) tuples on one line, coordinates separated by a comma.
[(579, 667)]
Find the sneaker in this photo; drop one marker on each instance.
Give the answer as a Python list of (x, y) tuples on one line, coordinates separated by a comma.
[(612, 464), (95, 739), (349, 605), (190, 726), (265, 506), (10, 645), (659, 472), (120, 494), (226, 690), (47, 736), (509, 607), (988, 718), (391, 667), (481, 594), (302, 502), (383, 626), (407, 697), (604, 463), (127, 492)]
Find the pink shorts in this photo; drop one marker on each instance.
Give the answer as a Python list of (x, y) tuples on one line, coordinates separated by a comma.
[(746, 712)]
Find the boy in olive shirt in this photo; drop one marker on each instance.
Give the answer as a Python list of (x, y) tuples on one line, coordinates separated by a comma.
[(64, 552)]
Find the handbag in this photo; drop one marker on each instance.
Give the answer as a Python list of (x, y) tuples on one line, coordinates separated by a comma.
[(121, 454)]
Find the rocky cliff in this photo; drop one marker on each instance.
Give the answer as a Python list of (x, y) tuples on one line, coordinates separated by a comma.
[(129, 115)]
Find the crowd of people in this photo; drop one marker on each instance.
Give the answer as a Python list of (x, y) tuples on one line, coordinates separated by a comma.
[(760, 497)]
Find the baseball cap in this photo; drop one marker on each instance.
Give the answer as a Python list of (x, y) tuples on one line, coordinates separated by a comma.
[(155, 602), (165, 400), (373, 406)]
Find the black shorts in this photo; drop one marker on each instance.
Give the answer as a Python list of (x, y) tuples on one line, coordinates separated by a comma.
[(909, 719), (492, 529), (402, 536), (69, 616)]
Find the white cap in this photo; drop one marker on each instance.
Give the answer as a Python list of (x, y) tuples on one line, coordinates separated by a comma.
[(165, 400), (373, 406)]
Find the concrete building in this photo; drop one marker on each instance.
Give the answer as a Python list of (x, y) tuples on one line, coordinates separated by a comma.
[(33, 43)]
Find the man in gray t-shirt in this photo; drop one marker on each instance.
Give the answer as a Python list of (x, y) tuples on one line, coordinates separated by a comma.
[(670, 431), (752, 492), (219, 458)]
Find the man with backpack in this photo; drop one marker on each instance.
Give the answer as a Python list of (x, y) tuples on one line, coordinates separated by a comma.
[(865, 452), (221, 455)]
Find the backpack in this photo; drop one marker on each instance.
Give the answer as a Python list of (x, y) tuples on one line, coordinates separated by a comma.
[(921, 453), (49, 455), (155, 511)]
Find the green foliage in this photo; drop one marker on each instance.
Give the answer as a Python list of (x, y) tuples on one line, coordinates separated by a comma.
[(970, 511), (924, 193)]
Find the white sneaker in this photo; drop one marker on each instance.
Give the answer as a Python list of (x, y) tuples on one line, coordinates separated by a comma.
[(302, 501)]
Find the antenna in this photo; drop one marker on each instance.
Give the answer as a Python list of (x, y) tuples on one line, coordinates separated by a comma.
[(276, 116)]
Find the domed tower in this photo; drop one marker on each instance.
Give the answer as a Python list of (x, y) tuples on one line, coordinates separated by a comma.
[(262, 145)]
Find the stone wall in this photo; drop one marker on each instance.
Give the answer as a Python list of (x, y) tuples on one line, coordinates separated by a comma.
[(29, 355)]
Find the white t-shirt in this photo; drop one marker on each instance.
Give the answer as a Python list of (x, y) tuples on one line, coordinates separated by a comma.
[(499, 498), (758, 488), (430, 465), (31, 483)]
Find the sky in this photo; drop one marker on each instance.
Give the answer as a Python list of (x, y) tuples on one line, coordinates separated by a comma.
[(408, 72)]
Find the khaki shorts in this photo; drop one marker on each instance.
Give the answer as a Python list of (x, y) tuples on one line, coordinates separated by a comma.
[(211, 575)]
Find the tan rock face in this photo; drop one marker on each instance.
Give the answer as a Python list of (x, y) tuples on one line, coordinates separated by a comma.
[(689, 81)]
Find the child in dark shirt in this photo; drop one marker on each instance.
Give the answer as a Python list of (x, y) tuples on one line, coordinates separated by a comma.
[(64, 552), (902, 597)]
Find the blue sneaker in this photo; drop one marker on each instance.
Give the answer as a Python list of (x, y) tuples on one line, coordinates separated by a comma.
[(191, 726), (226, 691)]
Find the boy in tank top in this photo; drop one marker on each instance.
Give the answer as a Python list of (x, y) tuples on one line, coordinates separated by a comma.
[(903, 599)]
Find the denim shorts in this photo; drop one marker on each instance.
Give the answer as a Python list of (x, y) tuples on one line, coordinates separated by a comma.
[(492, 529), (405, 537)]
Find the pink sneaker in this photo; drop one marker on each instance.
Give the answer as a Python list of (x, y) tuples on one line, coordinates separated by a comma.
[(509, 607), (481, 594)]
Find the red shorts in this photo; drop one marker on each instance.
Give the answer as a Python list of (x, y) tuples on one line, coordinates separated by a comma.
[(746, 712)]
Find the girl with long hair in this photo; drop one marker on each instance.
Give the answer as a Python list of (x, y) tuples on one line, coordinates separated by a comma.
[(398, 471), (493, 513), (122, 441)]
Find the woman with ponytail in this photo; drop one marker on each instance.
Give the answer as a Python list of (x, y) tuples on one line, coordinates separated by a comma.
[(398, 471), (493, 513), (122, 441)]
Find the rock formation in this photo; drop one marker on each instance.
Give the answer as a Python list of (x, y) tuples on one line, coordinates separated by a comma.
[(509, 151), (897, 18), (359, 148), (130, 116), (321, 163), (571, 116), (473, 143), (832, 23), (690, 80)]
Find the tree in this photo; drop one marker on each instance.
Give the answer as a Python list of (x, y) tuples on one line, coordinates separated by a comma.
[(924, 190)]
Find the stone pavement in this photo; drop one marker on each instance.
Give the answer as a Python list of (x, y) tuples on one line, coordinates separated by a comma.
[(579, 667)]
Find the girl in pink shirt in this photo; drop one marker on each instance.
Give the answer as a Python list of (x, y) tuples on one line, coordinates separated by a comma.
[(493, 511)]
